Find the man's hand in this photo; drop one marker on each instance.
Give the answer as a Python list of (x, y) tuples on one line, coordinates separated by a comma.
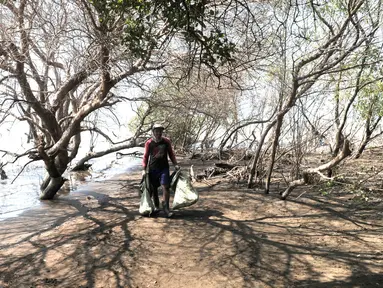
[(176, 167), (143, 172)]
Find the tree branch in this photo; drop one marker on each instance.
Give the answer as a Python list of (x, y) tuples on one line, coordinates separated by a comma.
[(335, 161), (80, 164)]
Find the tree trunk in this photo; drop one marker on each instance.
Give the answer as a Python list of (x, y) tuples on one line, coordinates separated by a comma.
[(45, 183), (54, 180), (362, 147), (339, 141), (257, 154), (51, 187), (273, 152), (368, 133), (3, 175)]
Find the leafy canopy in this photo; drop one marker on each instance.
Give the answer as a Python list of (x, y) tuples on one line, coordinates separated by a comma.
[(152, 25)]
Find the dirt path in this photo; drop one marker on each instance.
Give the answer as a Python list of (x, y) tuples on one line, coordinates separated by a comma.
[(232, 237)]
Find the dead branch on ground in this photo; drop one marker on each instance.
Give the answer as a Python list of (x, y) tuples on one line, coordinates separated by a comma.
[(318, 170)]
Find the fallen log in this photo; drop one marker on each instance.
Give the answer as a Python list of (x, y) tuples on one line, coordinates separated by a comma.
[(213, 171), (226, 166), (133, 154), (318, 170)]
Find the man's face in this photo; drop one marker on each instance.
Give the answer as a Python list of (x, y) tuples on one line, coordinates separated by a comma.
[(157, 133)]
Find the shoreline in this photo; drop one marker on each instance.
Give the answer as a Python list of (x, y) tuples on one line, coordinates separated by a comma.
[(76, 184)]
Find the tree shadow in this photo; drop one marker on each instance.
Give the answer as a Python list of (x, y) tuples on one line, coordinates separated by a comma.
[(36, 242), (232, 238), (273, 249), (355, 280)]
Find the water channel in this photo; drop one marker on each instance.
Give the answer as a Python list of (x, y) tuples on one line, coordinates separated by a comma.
[(20, 194)]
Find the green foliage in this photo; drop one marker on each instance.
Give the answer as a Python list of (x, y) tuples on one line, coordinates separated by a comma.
[(370, 101), (324, 192), (191, 111), (151, 25), (180, 126), (135, 121), (361, 195), (326, 188), (330, 184)]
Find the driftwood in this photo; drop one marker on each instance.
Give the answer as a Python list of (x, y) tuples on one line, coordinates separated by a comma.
[(138, 154), (213, 171), (224, 165), (204, 156), (210, 155), (238, 173), (318, 170), (220, 168)]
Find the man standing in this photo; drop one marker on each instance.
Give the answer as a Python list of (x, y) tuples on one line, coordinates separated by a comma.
[(157, 150)]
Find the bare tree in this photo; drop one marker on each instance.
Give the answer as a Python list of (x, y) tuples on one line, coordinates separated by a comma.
[(345, 35), (192, 111), (65, 60), (373, 116)]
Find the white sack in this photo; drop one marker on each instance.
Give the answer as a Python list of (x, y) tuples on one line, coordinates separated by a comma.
[(185, 194), (146, 203)]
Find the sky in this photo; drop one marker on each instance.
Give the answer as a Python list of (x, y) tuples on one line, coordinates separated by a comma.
[(14, 138)]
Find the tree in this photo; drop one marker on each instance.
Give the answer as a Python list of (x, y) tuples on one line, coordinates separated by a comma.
[(192, 110), (335, 38), (370, 107), (64, 60)]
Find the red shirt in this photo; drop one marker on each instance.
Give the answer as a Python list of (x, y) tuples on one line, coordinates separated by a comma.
[(157, 154)]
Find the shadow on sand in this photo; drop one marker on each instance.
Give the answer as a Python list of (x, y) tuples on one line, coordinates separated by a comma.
[(230, 238)]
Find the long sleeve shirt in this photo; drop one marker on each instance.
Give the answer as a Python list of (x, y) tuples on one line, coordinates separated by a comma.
[(156, 153)]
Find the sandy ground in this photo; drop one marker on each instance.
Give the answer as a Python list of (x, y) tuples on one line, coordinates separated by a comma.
[(232, 237)]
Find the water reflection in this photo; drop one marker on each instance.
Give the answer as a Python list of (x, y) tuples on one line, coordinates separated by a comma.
[(24, 192)]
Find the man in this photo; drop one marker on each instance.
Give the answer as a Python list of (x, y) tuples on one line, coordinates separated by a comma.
[(157, 150)]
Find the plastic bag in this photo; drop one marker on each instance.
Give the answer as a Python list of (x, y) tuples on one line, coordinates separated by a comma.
[(146, 203), (185, 195)]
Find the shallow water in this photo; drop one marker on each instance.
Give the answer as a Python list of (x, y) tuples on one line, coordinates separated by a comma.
[(23, 193)]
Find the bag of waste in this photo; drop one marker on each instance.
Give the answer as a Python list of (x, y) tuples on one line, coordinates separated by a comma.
[(184, 193), (146, 203)]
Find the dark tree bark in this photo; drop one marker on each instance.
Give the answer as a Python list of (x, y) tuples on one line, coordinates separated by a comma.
[(3, 175)]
